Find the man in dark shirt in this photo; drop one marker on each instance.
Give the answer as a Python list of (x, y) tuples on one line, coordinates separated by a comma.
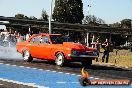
[(106, 45)]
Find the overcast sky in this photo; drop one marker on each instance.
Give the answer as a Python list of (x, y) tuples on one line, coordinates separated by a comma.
[(109, 10)]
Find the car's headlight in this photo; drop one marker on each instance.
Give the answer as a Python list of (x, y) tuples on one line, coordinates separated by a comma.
[(74, 52)]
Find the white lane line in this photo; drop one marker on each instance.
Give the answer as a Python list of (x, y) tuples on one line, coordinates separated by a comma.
[(67, 73), (75, 82), (54, 71), (67, 82), (91, 77), (47, 70), (34, 68), (59, 72), (27, 67), (73, 74), (96, 78), (61, 82), (22, 83), (7, 64), (40, 69), (78, 75), (21, 66), (13, 65)]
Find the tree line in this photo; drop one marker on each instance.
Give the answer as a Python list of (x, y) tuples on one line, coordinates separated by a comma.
[(44, 16), (71, 11)]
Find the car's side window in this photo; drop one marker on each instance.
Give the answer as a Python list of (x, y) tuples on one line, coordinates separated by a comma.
[(44, 39), (35, 39)]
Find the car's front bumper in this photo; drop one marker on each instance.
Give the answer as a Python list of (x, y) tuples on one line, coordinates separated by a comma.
[(82, 56)]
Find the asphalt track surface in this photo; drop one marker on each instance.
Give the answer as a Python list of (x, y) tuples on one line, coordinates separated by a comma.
[(15, 73)]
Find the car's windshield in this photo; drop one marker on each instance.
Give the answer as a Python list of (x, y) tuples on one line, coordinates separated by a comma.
[(56, 39), (67, 39), (59, 39)]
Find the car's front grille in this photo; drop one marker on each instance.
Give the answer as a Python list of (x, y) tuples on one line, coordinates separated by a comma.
[(85, 53)]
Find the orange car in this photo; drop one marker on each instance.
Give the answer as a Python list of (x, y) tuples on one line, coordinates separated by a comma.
[(52, 47)]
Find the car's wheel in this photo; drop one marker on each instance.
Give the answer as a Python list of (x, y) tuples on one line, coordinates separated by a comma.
[(60, 59), (26, 56), (87, 64)]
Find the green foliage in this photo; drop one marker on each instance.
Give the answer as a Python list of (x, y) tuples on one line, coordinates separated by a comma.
[(68, 11), (126, 23), (117, 24), (59, 13), (26, 17), (20, 16), (118, 40), (44, 15), (32, 18), (93, 20)]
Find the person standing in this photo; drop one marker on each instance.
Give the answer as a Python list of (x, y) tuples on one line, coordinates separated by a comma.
[(97, 46), (27, 36), (106, 45)]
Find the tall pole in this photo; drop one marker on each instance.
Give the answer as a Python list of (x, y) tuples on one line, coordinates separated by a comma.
[(50, 17), (89, 6), (131, 23), (87, 39)]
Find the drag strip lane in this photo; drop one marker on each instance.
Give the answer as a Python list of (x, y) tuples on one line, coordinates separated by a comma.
[(36, 76), (40, 77)]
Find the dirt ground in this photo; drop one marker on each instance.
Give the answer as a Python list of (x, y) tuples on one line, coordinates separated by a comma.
[(120, 58)]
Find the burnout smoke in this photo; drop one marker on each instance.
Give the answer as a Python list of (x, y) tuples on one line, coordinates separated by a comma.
[(7, 47), (9, 53)]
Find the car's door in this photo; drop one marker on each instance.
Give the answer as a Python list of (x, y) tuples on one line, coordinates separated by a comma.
[(33, 46), (45, 48)]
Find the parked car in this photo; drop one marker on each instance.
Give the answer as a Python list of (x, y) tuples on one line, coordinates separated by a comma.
[(53, 48)]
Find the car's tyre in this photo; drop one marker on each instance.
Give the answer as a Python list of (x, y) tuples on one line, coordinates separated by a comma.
[(87, 64), (27, 56), (60, 59)]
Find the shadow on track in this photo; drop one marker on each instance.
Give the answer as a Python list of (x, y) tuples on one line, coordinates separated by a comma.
[(75, 65)]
